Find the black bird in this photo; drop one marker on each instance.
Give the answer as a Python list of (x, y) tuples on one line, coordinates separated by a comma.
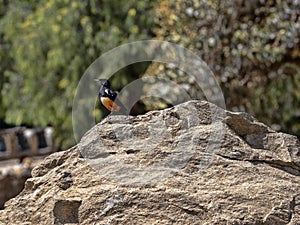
[(109, 98)]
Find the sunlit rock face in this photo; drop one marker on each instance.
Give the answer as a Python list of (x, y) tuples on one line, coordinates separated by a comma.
[(167, 167)]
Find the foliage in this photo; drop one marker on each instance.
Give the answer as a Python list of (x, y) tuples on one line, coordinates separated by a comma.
[(51, 43), (280, 94), (46, 45), (3, 55), (246, 44)]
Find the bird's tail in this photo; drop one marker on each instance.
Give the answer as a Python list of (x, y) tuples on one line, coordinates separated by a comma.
[(123, 110)]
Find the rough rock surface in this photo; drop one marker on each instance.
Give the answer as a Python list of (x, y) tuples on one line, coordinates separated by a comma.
[(253, 178)]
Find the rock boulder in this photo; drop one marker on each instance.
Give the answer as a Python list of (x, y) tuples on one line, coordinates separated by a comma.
[(160, 168)]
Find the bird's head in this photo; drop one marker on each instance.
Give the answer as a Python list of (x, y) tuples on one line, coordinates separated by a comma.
[(103, 82)]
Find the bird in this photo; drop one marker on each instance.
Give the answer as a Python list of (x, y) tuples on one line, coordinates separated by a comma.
[(108, 97)]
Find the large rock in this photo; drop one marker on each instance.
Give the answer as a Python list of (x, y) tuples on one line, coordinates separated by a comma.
[(160, 168)]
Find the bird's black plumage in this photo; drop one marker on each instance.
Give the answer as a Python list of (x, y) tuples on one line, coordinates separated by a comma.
[(109, 98)]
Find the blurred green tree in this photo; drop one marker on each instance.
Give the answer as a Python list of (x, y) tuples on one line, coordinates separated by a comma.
[(46, 45), (249, 45), (277, 102), (4, 59), (50, 43)]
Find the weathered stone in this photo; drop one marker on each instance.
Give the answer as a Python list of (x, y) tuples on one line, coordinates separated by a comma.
[(128, 178)]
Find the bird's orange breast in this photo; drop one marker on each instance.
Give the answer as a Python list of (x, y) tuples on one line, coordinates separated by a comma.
[(110, 104)]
